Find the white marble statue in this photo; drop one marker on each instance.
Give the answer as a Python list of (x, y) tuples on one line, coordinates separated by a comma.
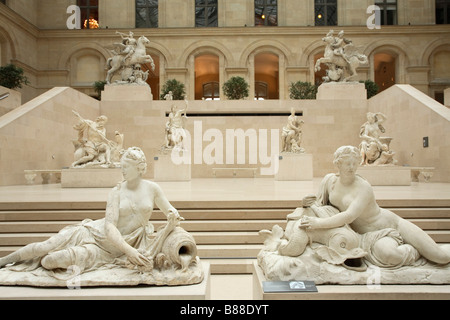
[(341, 57), (374, 147), (120, 249), (175, 132), (93, 148), (129, 56), (342, 236), (291, 137)]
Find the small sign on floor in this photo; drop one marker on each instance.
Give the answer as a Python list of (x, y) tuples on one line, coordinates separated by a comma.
[(289, 286)]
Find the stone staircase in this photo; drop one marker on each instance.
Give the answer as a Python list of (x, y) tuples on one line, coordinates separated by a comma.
[(226, 237)]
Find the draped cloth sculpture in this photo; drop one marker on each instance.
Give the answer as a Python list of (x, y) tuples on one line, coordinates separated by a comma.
[(374, 147), (120, 249), (341, 57), (341, 236)]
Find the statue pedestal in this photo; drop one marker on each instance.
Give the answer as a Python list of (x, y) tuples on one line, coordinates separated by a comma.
[(199, 291), (91, 177), (166, 170), (386, 175), (295, 167), (342, 91), (127, 92), (367, 291)]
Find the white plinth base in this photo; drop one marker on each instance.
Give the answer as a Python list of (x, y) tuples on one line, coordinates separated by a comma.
[(199, 291), (127, 92), (386, 175), (91, 177), (342, 91), (295, 167), (167, 170), (352, 292)]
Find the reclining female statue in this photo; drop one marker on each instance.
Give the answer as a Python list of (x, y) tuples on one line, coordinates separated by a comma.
[(121, 239), (390, 240)]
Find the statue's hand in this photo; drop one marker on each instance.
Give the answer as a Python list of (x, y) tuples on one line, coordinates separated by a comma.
[(174, 218), (138, 259), (307, 222)]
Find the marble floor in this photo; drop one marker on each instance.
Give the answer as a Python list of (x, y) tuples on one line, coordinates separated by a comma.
[(237, 189)]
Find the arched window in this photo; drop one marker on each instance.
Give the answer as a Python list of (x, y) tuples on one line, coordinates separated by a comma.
[(440, 73), (318, 75), (267, 71), (89, 13), (385, 65), (211, 91), (153, 76), (206, 72)]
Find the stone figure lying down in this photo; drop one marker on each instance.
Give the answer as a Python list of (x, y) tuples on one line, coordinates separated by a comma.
[(344, 226), (119, 249)]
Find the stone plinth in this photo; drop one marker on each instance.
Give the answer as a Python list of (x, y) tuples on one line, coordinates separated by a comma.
[(199, 291), (386, 175), (166, 170), (342, 91), (91, 177), (295, 167), (352, 292), (127, 93)]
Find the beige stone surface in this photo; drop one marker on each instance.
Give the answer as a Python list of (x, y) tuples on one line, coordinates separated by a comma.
[(386, 175), (127, 93), (167, 170), (12, 101), (91, 177), (297, 167), (38, 134), (342, 91)]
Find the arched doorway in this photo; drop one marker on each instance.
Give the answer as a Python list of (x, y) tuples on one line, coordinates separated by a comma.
[(207, 77), (153, 76), (385, 65), (440, 73), (267, 78)]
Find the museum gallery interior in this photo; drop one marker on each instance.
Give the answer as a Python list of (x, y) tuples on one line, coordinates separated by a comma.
[(225, 149)]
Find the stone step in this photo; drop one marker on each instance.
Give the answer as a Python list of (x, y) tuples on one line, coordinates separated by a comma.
[(207, 214), (194, 225), (219, 238), (247, 251)]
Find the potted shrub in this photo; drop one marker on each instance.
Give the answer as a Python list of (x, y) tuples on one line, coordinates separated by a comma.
[(12, 77), (371, 87), (236, 88), (302, 90), (99, 86)]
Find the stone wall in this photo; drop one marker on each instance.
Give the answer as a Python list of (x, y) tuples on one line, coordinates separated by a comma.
[(412, 116), (38, 134)]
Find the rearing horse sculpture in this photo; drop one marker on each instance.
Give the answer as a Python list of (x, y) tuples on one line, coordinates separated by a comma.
[(137, 58), (342, 58)]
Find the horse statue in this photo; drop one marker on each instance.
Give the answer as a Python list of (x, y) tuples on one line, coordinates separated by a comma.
[(129, 57), (341, 57)]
